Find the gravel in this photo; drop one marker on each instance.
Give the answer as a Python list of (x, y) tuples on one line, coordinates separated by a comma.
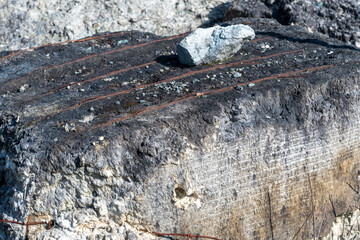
[(336, 19)]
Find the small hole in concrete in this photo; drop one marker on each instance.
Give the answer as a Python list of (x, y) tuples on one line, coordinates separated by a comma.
[(180, 193)]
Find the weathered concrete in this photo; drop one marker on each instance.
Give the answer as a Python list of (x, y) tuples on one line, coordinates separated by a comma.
[(214, 44), (203, 150)]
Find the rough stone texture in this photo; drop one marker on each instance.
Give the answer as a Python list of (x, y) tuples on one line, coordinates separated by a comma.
[(337, 19), (199, 150), (214, 44), (346, 226), (32, 23)]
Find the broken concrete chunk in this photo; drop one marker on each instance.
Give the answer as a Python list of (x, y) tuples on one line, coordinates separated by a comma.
[(215, 44)]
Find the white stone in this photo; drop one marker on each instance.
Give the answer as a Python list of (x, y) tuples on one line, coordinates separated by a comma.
[(215, 44), (100, 207)]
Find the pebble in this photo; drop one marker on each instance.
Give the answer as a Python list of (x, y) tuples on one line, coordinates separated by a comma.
[(265, 47), (108, 79), (22, 89), (122, 41), (236, 75), (69, 127), (239, 88)]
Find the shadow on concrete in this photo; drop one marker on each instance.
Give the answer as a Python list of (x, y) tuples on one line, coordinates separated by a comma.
[(216, 15), (170, 61)]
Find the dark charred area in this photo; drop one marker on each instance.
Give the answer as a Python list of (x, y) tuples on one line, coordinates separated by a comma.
[(70, 91)]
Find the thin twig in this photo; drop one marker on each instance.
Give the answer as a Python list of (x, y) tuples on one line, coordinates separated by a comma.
[(332, 205), (302, 225), (312, 206), (311, 213), (184, 235), (322, 221), (357, 191), (270, 217)]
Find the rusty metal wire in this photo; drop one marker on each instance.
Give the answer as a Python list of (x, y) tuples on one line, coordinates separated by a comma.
[(53, 44), (145, 64), (242, 62), (93, 55), (49, 224), (198, 94), (189, 236)]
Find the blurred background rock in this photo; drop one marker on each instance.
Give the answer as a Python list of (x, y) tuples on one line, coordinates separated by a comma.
[(25, 24)]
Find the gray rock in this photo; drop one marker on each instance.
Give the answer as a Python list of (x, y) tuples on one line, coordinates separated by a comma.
[(215, 44), (237, 75)]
